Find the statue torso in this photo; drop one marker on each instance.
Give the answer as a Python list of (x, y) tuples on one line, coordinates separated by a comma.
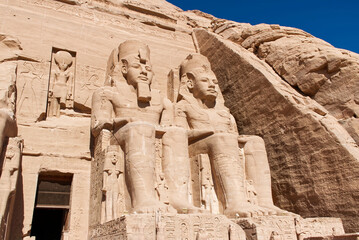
[(218, 120), (125, 104)]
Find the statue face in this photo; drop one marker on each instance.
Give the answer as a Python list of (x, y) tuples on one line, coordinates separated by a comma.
[(137, 71), (205, 85), (63, 65)]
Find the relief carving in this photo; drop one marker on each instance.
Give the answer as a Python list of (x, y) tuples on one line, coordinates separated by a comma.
[(31, 86), (112, 190), (61, 89), (88, 79)]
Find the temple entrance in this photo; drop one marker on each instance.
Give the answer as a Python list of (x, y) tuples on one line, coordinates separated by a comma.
[(51, 213)]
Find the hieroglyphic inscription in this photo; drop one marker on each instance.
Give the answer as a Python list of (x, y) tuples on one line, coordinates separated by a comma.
[(31, 84), (266, 227), (169, 226), (316, 227), (88, 79)]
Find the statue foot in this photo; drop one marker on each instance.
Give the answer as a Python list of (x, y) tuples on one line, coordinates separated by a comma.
[(243, 210), (185, 207), (191, 210), (153, 207)]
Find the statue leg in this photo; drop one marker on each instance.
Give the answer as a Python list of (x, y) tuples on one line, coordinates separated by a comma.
[(176, 167), (140, 167), (229, 172), (257, 170)]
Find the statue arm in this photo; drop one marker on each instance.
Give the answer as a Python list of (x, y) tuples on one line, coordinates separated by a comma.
[(167, 117), (180, 117), (52, 83), (101, 112), (70, 86), (233, 126)]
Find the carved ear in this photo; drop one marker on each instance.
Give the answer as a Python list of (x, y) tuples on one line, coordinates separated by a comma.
[(124, 67), (189, 80)]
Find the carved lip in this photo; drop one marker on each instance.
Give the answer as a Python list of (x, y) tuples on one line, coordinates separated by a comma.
[(142, 78), (212, 90)]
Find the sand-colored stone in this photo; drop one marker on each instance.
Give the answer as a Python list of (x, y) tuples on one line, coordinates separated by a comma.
[(166, 226), (313, 160), (303, 140), (328, 75)]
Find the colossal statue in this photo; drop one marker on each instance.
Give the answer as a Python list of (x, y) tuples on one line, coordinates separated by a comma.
[(132, 110), (199, 123), (200, 108)]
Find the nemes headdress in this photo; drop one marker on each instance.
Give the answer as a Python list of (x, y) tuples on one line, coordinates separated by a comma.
[(194, 61), (124, 50), (134, 48)]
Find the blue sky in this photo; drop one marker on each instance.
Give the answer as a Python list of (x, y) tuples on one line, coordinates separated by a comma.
[(335, 21)]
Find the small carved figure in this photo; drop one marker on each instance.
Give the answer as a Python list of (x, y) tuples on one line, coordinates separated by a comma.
[(162, 189), (208, 197), (275, 236), (251, 193), (9, 176), (111, 173), (61, 83)]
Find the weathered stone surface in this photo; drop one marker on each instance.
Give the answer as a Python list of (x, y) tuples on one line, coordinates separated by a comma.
[(303, 141), (314, 162), (314, 67), (183, 226), (317, 227)]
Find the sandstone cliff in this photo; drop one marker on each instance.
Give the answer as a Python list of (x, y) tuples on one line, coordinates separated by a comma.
[(296, 91)]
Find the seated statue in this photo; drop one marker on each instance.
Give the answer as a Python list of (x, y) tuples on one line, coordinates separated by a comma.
[(131, 110), (200, 108), (136, 114)]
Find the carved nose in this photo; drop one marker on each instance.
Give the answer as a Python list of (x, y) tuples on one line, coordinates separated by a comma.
[(211, 84), (143, 70)]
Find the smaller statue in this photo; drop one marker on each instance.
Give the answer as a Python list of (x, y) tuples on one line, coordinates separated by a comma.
[(61, 83), (9, 177), (162, 189), (251, 193), (275, 236), (209, 199), (111, 172)]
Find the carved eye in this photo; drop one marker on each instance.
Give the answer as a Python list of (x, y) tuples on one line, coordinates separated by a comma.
[(148, 68), (204, 79), (215, 81), (136, 65)]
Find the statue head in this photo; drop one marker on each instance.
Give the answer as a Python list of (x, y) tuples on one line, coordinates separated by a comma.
[(136, 67), (63, 60), (112, 153), (197, 76)]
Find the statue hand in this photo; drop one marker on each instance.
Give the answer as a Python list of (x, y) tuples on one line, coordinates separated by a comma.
[(242, 139), (197, 134), (122, 121), (105, 124)]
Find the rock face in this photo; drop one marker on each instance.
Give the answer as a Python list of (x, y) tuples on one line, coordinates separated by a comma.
[(295, 91), (310, 65), (302, 140)]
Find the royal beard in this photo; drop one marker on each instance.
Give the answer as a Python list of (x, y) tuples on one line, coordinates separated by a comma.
[(143, 92)]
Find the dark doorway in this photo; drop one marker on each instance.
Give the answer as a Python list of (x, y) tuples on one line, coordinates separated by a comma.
[(47, 223), (52, 206)]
